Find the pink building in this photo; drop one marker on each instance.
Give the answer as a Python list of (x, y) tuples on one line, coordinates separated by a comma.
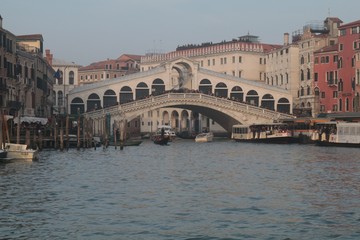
[(349, 35), (326, 78)]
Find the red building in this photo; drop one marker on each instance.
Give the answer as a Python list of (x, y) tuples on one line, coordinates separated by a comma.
[(347, 41), (326, 78)]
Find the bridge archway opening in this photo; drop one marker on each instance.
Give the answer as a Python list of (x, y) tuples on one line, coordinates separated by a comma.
[(237, 94), (182, 75), (109, 98), (126, 94), (221, 90), (157, 87), (268, 102), (93, 102), (77, 106), (141, 91), (205, 86), (252, 98), (174, 119), (284, 105)]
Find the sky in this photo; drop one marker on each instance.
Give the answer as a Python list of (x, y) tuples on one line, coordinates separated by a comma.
[(87, 31)]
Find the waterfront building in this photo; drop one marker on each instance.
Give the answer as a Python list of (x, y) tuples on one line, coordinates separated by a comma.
[(311, 38), (66, 81), (326, 78), (357, 76), (109, 69), (43, 78), (282, 66), (349, 35)]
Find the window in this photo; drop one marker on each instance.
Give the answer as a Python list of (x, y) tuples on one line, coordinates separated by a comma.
[(335, 58), (71, 78), (308, 74), (322, 94), (240, 59), (335, 94), (342, 32), (316, 60), (208, 62), (302, 75), (354, 30), (233, 59), (308, 90), (341, 47), (213, 62), (302, 60), (315, 77), (225, 61)]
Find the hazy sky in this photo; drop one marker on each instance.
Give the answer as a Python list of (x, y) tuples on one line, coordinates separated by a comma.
[(86, 31)]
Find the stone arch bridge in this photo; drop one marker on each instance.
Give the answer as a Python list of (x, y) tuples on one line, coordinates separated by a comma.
[(182, 83)]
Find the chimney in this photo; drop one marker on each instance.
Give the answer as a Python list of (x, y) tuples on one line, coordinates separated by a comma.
[(286, 39), (0, 21), (48, 56)]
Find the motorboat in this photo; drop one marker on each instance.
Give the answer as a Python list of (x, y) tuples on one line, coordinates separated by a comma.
[(168, 131), (263, 133), (204, 137), (20, 151)]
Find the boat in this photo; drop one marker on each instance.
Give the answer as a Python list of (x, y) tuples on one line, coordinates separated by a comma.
[(161, 139), (186, 135), (204, 137), (263, 133), (3, 154), (168, 131), (338, 134), (20, 151)]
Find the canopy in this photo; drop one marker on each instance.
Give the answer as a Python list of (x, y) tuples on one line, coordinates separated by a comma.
[(42, 121)]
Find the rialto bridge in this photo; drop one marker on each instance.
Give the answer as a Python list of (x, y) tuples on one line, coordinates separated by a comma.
[(181, 84)]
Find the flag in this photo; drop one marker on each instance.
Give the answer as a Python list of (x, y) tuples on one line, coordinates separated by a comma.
[(57, 74)]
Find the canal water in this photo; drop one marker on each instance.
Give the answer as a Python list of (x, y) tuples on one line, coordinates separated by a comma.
[(186, 190)]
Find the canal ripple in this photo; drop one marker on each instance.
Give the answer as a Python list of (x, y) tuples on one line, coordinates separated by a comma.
[(187, 190)]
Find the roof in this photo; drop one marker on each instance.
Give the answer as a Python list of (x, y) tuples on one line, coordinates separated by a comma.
[(126, 57), (356, 23), (30, 37), (331, 48)]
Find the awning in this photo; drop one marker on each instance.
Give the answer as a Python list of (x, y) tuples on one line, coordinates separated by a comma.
[(42, 121)]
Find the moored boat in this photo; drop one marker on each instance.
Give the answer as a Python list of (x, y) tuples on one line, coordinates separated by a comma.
[(263, 133), (20, 151), (204, 137), (3, 154), (161, 139), (339, 134)]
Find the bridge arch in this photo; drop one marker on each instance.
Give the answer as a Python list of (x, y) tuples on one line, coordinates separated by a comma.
[(93, 102), (109, 98), (237, 94), (283, 105), (157, 87), (268, 102), (126, 94), (141, 91), (221, 90), (252, 98), (205, 86), (77, 106)]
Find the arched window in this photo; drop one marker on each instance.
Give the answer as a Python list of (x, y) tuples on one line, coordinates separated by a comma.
[(308, 90), (302, 75), (302, 91), (308, 74), (302, 60), (60, 98), (71, 78)]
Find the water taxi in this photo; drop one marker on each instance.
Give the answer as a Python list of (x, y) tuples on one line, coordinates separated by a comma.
[(340, 134), (20, 151), (204, 137), (263, 133)]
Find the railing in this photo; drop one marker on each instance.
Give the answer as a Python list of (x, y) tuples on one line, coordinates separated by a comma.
[(183, 98)]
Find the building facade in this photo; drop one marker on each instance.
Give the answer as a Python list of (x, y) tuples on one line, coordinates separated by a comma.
[(109, 69)]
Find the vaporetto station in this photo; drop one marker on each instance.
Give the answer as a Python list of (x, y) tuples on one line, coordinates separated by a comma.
[(183, 95)]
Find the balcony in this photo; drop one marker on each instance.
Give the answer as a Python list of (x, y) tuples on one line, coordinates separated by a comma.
[(332, 82)]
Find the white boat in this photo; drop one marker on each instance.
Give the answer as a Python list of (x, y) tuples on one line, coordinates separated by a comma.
[(204, 137), (168, 131), (20, 151), (340, 134), (263, 133)]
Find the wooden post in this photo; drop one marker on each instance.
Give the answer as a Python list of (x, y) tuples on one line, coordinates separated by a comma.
[(55, 133), (115, 131), (61, 135), (78, 133), (18, 130), (40, 140), (84, 131), (67, 131), (27, 136)]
